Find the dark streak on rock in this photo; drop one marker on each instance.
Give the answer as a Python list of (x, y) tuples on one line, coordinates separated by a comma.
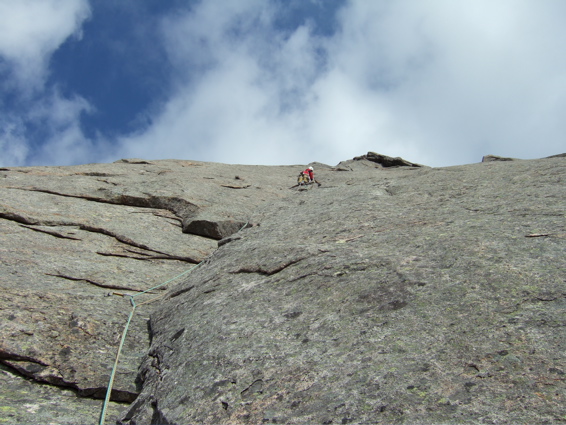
[(52, 233), (181, 291), (268, 271), (128, 241), (92, 282), (28, 367), (147, 257), (6, 355), (178, 206), (18, 218)]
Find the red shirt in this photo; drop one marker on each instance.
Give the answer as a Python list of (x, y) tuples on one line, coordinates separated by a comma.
[(310, 173)]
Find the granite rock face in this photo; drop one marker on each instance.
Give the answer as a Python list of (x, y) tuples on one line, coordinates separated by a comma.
[(77, 242), (407, 295), (390, 294)]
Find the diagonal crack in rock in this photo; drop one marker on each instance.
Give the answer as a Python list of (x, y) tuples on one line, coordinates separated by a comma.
[(179, 206), (269, 271), (92, 282), (52, 233)]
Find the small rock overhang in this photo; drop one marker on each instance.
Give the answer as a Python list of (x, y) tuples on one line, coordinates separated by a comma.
[(386, 161), (212, 228)]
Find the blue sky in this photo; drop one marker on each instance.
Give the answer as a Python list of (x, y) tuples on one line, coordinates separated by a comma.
[(439, 82)]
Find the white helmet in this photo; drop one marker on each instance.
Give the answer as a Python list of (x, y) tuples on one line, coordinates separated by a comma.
[(310, 168)]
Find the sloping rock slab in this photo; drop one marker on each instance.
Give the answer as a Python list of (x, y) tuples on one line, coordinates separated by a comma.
[(76, 243), (24, 401), (420, 296)]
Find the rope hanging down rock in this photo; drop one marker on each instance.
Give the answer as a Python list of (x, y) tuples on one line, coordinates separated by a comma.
[(125, 332)]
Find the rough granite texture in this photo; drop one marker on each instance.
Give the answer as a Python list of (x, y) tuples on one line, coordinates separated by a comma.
[(406, 295), (24, 401), (393, 293), (76, 242)]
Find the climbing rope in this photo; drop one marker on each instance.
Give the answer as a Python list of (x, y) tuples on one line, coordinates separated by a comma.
[(125, 332)]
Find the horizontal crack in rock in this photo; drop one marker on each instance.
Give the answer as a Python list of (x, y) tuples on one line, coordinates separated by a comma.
[(28, 222), (128, 241), (147, 257), (92, 282), (6, 355), (19, 218), (24, 367)]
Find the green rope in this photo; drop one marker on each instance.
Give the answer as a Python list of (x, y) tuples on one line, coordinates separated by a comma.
[(125, 332), (169, 281), (111, 382)]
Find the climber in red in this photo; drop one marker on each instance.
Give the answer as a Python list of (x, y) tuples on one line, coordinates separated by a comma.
[(307, 177)]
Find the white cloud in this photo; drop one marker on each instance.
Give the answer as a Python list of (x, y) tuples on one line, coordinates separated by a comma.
[(439, 82), (31, 31), (467, 79), (58, 120), (239, 85), (64, 140), (13, 146)]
